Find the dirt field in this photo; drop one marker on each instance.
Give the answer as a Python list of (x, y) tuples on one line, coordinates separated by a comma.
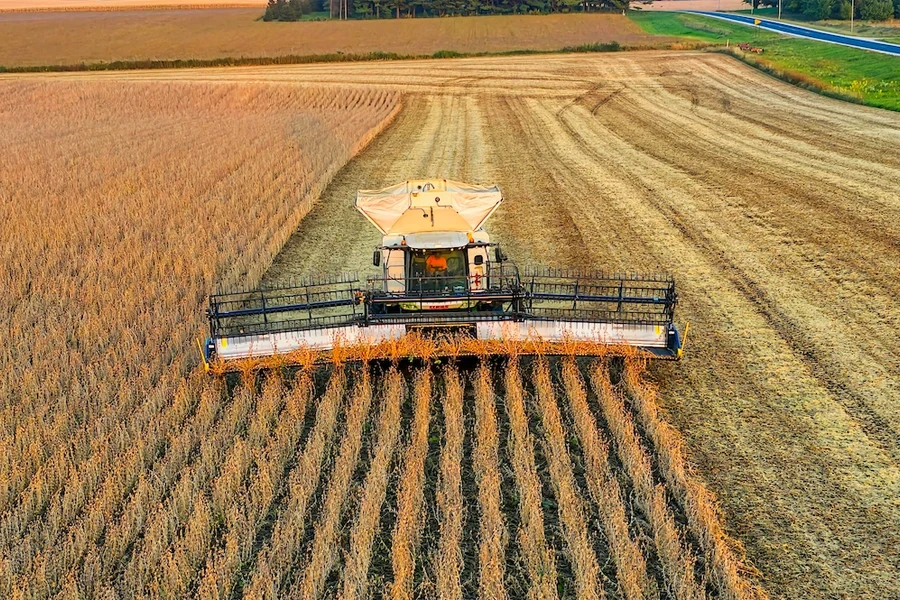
[(72, 37), (776, 210)]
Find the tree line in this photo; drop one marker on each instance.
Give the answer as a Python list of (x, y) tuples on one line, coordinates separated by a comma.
[(870, 10), (294, 10)]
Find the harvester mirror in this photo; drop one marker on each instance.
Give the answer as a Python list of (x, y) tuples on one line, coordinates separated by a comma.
[(376, 258), (498, 254), (479, 259)]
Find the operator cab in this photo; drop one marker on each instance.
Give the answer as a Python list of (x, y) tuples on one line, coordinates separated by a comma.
[(442, 271), (451, 269), (434, 253)]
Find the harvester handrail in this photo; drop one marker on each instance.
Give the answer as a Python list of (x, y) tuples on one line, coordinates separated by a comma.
[(252, 329), (602, 298), (293, 284), (596, 275)]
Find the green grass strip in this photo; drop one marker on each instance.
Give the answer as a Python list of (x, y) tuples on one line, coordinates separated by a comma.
[(838, 71)]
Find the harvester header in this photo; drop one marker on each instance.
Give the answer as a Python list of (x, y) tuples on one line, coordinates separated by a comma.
[(438, 271)]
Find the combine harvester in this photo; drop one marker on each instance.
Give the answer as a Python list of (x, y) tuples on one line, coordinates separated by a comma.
[(441, 276)]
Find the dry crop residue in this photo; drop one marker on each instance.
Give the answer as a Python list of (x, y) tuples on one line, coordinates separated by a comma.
[(775, 209), (122, 206), (332, 521), (777, 212)]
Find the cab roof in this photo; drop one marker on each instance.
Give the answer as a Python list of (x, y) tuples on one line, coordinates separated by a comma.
[(438, 240)]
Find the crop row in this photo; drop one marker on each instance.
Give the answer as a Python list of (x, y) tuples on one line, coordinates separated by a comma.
[(291, 484)]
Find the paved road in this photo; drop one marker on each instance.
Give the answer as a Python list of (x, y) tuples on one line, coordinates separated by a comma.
[(806, 32)]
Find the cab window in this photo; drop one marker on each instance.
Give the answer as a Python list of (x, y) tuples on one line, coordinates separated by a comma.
[(438, 270)]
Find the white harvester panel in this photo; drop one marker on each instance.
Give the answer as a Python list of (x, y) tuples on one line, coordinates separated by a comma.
[(429, 205), (643, 336), (269, 344)]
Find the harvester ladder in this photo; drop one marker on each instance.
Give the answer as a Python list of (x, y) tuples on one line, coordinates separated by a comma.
[(575, 295), (621, 295)]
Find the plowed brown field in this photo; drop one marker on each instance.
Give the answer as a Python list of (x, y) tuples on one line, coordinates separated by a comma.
[(776, 209)]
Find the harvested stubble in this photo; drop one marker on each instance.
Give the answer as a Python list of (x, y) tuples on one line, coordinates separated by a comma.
[(223, 568), (492, 530), (324, 548), (724, 556), (540, 563), (262, 509), (448, 561), (569, 501), (410, 500), (631, 568), (676, 560), (275, 561), (359, 553)]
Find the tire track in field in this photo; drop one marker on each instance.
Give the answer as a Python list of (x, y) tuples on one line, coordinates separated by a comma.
[(831, 346), (866, 342), (853, 129), (686, 224), (810, 171), (885, 356), (532, 193), (432, 137), (810, 214), (721, 307)]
